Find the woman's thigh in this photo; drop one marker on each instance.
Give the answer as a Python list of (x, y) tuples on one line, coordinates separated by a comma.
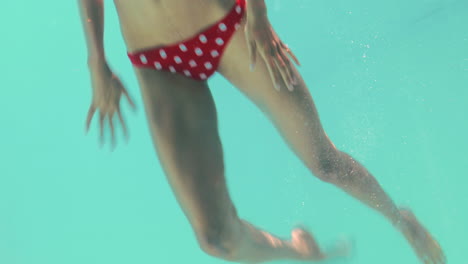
[(183, 122), (293, 113)]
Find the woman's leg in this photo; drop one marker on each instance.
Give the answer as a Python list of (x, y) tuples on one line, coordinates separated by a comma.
[(183, 123), (295, 116)]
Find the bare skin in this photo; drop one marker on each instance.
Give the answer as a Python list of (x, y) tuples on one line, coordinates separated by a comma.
[(183, 123)]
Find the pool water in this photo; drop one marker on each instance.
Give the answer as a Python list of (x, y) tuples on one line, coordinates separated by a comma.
[(390, 81)]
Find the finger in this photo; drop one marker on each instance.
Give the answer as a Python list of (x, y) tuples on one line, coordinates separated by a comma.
[(111, 124), (129, 99), (252, 49), (284, 66), (253, 58), (122, 123), (285, 51), (281, 69), (426, 259), (101, 126), (289, 67), (274, 67), (269, 61), (272, 75), (443, 258), (290, 53), (276, 76), (91, 112)]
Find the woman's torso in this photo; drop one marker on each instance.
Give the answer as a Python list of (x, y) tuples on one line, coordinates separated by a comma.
[(150, 23)]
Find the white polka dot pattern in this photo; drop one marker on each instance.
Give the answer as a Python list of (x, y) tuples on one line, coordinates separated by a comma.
[(214, 53), (203, 39), (208, 65), (199, 56), (163, 54), (143, 59), (192, 63), (198, 51), (183, 48), (222, 27), (157, 65), (219, 41)]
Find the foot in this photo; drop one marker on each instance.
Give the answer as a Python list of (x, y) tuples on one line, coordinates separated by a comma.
[(426, 247), (304, 243)]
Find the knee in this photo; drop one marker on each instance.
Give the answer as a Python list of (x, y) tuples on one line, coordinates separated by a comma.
[(327, 166)]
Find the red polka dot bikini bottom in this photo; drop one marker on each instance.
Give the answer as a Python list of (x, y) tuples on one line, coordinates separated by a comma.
[(197, 57)]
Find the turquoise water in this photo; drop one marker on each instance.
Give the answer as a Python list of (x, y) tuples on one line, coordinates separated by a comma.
[(389, 79)]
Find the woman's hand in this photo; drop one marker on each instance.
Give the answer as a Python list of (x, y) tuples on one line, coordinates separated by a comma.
[(262, 39), (107, 91)]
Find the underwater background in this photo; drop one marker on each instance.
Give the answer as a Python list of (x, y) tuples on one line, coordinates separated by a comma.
[(390, 81)]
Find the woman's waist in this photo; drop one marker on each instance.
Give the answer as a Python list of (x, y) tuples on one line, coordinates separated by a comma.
[(158, 25)]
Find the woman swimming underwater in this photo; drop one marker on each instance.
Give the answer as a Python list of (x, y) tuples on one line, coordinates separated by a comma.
[(175, 47)]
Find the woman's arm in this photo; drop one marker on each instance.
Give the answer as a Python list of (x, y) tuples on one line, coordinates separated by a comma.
[(263, 40), (107, 88), (92, 16)]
